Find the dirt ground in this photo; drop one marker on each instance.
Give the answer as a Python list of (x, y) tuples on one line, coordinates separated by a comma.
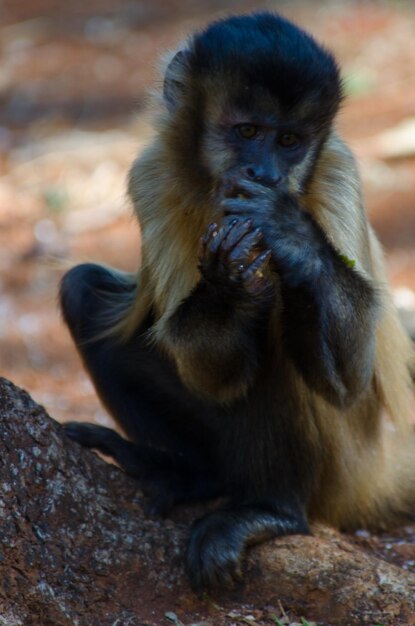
[(73, 84)]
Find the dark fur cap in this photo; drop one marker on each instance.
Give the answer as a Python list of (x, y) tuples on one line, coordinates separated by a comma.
[(266, 51)]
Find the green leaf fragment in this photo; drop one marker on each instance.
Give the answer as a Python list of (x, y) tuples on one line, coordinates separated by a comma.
[(347, 261)]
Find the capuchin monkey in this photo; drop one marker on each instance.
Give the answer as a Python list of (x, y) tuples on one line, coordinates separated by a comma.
[(256, 353)]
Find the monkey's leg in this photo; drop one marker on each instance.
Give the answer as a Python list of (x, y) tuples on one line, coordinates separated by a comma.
[(268, 471), (141, 390), (164, 476)]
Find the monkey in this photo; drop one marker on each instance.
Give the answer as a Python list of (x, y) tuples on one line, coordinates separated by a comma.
[(255, 358)]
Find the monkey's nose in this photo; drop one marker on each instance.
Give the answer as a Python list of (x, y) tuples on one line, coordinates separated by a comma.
[(259, 175), (252, 174)]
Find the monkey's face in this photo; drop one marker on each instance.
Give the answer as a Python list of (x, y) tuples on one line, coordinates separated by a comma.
[(258, 143), (252, 99)]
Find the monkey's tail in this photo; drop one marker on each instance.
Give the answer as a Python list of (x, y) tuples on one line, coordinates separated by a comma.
[(126, 302)]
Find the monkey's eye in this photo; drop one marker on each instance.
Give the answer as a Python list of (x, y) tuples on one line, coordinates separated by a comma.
[(248, 131), (289, 140)]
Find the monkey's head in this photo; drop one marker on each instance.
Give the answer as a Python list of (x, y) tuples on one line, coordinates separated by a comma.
[(250, 97)]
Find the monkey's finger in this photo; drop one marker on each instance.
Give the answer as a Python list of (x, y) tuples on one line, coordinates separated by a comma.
[(259, 264), (235, 206), (215, 240), (252, 189), (230, 187), (243, 207), (212, 228), (239, 229), (246, 188), (245, 245), (255, 277)]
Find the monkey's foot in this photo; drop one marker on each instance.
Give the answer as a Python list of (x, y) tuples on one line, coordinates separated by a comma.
[(218, 540), (214, 552)]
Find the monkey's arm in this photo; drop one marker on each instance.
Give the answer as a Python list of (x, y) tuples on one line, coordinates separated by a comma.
[(330, 310), (216, 336), (329, 319)]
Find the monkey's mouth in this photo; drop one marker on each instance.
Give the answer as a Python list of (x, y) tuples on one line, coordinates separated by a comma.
[(240, 196), (234, 190)]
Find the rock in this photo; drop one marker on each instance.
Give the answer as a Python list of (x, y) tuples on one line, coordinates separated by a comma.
[(77, 550)]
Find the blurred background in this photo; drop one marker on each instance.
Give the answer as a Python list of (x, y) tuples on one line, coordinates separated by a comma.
[(73, 83)]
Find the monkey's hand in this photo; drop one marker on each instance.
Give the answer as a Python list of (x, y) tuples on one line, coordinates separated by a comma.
[(244, 199), (217, 334), (230, 258), (298, 245)]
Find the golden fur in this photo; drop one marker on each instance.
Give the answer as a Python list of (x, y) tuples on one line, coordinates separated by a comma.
[(365, 455)]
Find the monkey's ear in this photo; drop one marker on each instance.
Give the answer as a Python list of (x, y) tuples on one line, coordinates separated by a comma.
[(175, 78)]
